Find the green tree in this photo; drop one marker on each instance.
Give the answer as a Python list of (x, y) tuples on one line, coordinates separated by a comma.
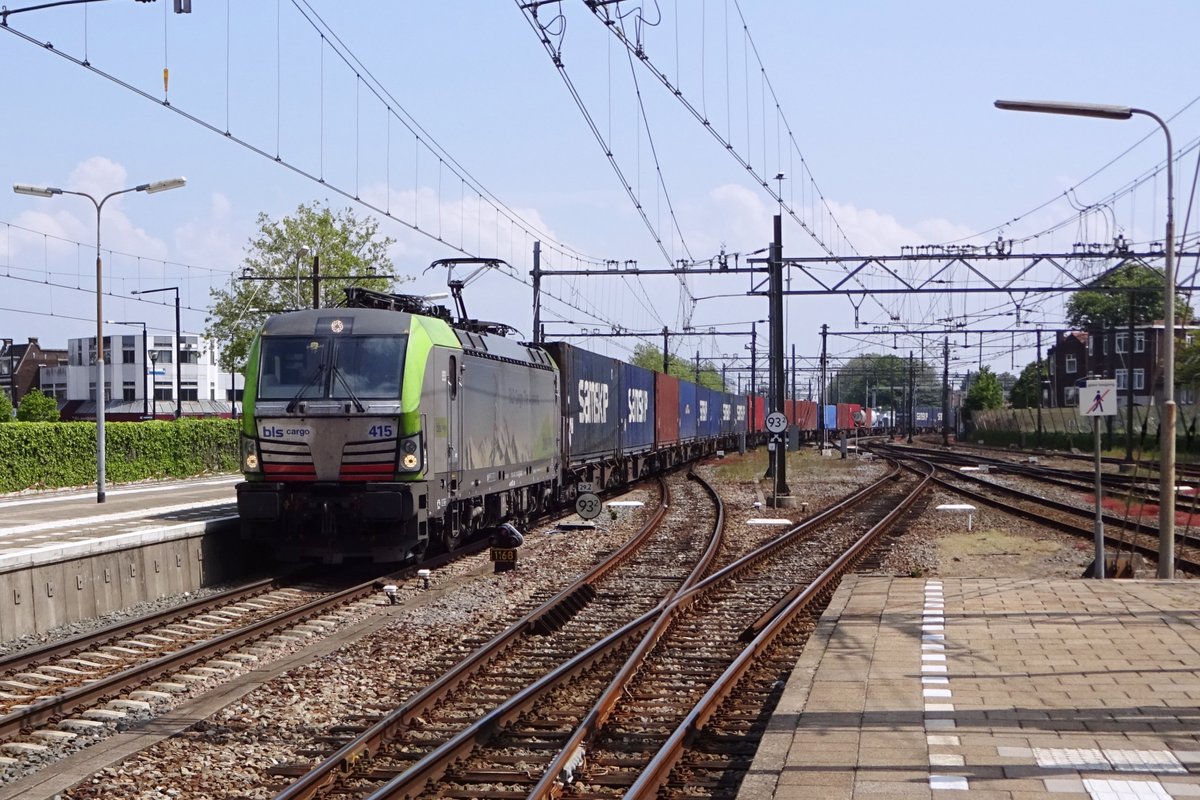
[(1187, 363), (985, 391), (37, 407), (650, 357), (1024, 392), (1105, 308), (885, 377), (6, 408), (279, 257)]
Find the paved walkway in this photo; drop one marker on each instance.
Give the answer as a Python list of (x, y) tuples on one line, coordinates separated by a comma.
[(1001, 688)]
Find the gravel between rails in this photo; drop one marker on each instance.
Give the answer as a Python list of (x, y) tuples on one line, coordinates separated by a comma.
[(229, 753)]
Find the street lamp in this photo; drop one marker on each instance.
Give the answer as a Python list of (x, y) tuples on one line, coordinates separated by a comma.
[(178, 346), (145, 356), (12, 375), (1166, 457), (50, 191), (154, 392)]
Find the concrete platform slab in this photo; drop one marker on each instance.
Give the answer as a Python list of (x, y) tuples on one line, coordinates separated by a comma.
[(1030, 689)]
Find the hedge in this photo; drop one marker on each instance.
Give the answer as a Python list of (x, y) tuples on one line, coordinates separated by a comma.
[(47, 455)]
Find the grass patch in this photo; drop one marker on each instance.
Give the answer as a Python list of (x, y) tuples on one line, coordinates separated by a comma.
[(752, 466), (993, 543)]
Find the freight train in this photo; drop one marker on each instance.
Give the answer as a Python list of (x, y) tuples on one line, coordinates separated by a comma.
[(852, 417), (386, 430)]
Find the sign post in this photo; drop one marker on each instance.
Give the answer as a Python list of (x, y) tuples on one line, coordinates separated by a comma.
[(1098, 398), (776, 424)]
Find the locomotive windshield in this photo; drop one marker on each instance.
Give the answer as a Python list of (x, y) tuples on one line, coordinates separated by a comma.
[(331, 367)]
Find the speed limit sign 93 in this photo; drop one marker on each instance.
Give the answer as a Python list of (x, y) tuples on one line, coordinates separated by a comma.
[(587, 505)]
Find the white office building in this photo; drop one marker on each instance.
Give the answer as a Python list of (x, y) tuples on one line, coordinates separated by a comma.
[(141, 375)]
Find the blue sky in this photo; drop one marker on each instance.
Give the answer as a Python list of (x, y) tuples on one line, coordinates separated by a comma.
[(889, 104)]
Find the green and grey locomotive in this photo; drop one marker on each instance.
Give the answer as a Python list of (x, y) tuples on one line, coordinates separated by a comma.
[(381, 430)]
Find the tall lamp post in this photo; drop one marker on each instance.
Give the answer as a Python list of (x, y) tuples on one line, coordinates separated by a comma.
[(145, 359), (1166, 457), (50, 191), (153, 390), (12, 375), (178, 346)]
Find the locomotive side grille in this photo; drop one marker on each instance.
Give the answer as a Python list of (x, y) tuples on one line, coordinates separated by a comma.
[(287, 462), (368, 461)]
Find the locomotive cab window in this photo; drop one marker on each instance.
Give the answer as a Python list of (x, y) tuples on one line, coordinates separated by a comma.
[(368, 367), (291, 366), (340, 368)]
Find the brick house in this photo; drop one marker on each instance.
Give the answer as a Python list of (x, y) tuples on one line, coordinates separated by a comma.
[(1129, 357), (21, 367)]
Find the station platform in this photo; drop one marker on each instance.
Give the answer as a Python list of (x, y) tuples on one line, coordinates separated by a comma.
[(65, 558), (992, 688), (35, 527)]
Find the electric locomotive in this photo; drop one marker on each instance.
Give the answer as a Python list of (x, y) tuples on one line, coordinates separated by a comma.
[(381, 431)]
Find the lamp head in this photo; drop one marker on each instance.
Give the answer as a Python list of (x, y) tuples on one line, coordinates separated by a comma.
[(162, 186), (1071, 109), (36, 191)]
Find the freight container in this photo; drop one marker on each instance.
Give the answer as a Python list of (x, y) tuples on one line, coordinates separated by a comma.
[(688, 429), (637, 409), (757, 414), (830, 414), (806, 415), (666, 410), (590, 402), (741, 418), (707, 411), (727, 418), (845, 415)]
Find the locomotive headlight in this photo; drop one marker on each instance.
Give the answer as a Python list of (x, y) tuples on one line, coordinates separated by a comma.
[(410, 453), (249, 455)]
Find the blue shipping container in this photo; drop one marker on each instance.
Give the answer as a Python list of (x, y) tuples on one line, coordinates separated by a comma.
[(726, 419), (707, 413), (830, 418), (741, 413), (637, 409), (687, 411), (591, 402)]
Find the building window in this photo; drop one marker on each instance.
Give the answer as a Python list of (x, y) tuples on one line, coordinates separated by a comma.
[(1122, 342), (128, 357), (1139, 379), (128, 391), (165, 356), (162, 391), (1122, 379), (189, 391), (1139, 342), (1071, 365)]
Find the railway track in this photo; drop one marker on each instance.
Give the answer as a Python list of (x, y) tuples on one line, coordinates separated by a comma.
[(476, 694), (83, 685), (1133, 536), (526, 737)]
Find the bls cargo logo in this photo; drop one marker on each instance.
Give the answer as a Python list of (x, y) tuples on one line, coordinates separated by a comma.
[(639, 405), (726, 412), (593, 402), (703, 410)]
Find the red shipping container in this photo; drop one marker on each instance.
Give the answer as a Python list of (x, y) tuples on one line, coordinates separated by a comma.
[(758, 417), (666, 410), (806, 415), (845, 415)]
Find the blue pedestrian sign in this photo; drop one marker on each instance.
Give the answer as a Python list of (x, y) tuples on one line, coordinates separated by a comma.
[(1098, 398)]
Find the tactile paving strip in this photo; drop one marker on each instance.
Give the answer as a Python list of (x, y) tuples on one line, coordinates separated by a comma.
[(1100, 789)]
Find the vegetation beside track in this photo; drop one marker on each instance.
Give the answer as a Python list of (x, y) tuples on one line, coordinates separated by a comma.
[(48, 455)]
